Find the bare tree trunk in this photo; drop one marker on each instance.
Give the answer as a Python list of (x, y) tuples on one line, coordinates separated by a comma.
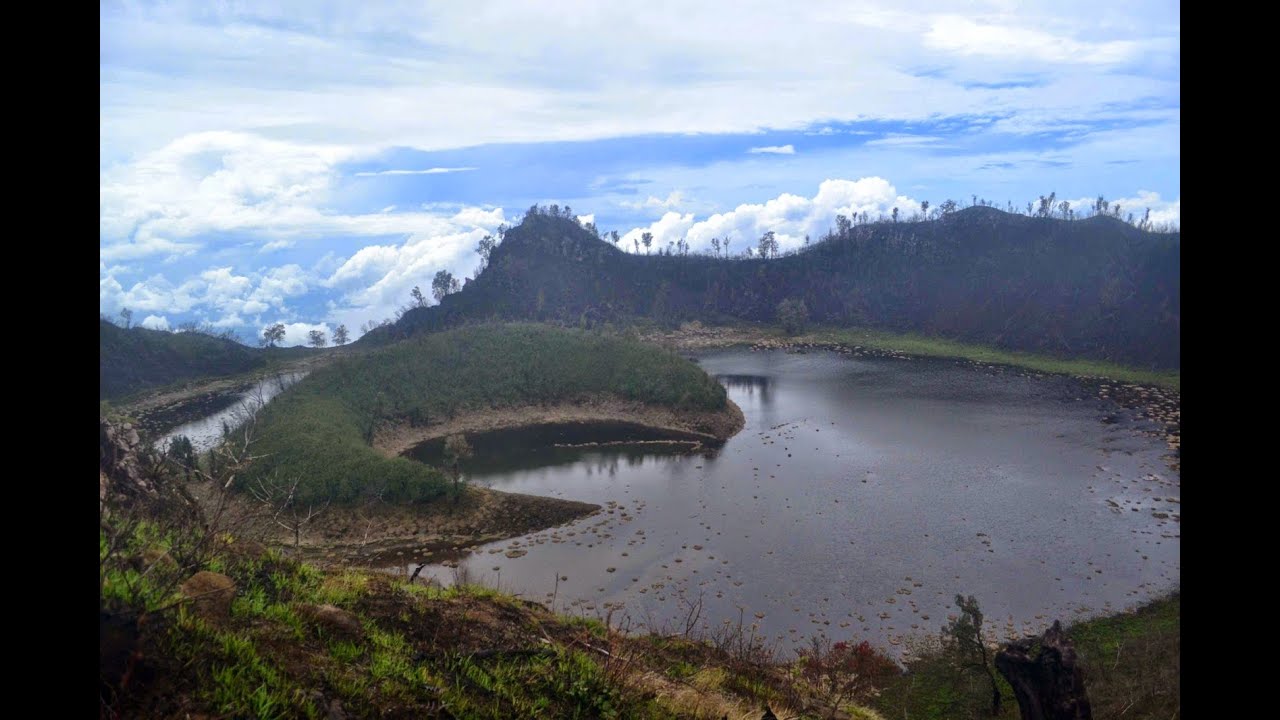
[(1045, 677)]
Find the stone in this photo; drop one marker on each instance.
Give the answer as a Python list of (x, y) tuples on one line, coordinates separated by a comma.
[(334, 620), (211, 592)]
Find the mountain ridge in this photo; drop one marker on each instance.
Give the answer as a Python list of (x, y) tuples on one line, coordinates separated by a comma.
[(1094, 288)]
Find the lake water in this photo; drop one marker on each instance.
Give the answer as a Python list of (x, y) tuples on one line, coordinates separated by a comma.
[(205, 433), (859, 499)]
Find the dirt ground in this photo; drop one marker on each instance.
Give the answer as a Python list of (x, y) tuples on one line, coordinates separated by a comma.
[(715, 427)]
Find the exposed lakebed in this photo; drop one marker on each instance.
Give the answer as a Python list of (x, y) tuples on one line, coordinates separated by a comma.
[(861, 496)]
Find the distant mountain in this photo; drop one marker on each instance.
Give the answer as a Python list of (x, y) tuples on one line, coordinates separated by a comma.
[(137, 358), (1096, 288)]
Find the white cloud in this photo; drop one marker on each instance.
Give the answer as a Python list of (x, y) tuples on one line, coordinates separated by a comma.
[(295, 333), (155, 322), (789, 216), (774, 150), (376, 280), (275, 245), (219, 183), (428, 171), (1163, 212), (673, 201), (220, 289), (509, 71), (145, 247), (963, 36), (905, 140)]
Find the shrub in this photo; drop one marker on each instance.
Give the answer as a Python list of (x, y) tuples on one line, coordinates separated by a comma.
[(793, 315)]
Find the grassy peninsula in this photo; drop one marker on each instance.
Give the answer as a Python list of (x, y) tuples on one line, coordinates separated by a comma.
[(324, 429)]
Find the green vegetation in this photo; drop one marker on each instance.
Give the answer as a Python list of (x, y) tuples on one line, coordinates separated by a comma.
[(912, 344), (402, 650), (1097, 288), (793, 316), (320, 430), (297, 641), (1130, 661), (135, 359)]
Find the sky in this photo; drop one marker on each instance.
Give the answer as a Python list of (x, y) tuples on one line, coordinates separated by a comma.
[(309, 163)]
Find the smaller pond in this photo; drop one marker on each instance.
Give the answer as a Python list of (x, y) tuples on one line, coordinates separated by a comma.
[(205, 433), (499, 452)]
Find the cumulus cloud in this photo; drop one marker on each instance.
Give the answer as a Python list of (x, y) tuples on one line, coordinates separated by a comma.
[(790, 217), (197, 187), (1163, 212), (295, 333), (774, 150), (220, 290), (155, 322), (377, 279)]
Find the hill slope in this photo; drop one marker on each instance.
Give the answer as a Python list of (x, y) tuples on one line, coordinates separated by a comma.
[(1096, 288), (138, 358), (324, 429)]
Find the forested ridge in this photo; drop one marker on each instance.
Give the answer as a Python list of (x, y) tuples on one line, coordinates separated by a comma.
[(1096, 288)]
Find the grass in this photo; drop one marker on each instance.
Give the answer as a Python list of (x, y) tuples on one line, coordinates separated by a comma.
[(1130, 662), (321, 429), (924, 346), (482, 654)]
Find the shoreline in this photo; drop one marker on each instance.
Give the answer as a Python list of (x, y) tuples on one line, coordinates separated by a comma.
[(441, 530), (694, 336), (714, 427), (158, 410)]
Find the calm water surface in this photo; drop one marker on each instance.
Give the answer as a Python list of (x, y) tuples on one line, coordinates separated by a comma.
[(205, 433), (861, 496)]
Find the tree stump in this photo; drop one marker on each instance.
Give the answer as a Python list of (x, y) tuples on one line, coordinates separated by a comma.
[(1045, 677)]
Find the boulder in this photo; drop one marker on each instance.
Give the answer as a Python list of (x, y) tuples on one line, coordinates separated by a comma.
[(211, 593), (333, 620)]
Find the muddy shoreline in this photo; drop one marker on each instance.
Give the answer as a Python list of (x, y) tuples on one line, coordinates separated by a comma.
[(711, 428)]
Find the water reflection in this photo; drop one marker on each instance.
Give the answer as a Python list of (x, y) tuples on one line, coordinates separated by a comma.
[(206, 432), (596, 446), (751, 384)]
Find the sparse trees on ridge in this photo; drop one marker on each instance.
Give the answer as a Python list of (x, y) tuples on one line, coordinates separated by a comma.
[(485, 250), (419, 300), (316, 338), (768, 245), (340, 335), (443, 285), (272, 334)]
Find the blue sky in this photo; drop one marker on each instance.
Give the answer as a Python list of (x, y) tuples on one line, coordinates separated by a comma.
[(309, 163)]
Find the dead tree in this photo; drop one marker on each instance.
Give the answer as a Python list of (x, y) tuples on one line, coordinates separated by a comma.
[(1045, 677), (279, 497)]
